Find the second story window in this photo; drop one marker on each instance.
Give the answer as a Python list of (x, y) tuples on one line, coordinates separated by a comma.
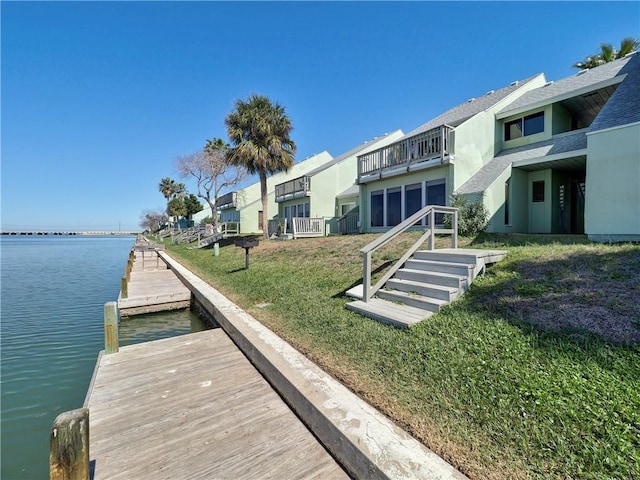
[(522, 127)]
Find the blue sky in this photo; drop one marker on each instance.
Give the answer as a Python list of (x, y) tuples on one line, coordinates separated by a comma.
[(98, 98)]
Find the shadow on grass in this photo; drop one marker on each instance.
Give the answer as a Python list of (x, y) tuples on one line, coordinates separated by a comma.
[(524, 239), (225, 242), (343, 293), (576, 298)]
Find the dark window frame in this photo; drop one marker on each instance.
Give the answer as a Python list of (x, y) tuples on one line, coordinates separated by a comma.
[(526, 126), (537, 191)]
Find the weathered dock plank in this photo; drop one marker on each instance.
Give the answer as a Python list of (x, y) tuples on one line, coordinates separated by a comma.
[(194, 407), (152, 287)]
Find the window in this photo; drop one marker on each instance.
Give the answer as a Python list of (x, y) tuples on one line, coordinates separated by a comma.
[(394, 206), (507, 184), (346, 208), (538, 191), (412, 199), (529, 125), (436, 195), (377, 205), (260, 224)]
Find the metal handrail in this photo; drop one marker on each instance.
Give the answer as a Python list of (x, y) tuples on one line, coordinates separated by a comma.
[(430, 231)]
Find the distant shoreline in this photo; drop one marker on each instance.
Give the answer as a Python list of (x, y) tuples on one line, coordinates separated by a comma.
[(34, 233)]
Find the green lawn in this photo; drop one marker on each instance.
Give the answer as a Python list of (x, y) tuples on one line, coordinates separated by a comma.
[(534, 373)]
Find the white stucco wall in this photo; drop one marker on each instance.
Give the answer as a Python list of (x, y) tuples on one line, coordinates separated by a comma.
[(612, 204)]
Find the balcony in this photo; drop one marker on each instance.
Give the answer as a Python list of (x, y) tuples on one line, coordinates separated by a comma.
[(299, 187), (226, 201), (408, 154)]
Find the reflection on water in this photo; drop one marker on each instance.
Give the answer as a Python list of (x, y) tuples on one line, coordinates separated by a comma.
[(155, 326)]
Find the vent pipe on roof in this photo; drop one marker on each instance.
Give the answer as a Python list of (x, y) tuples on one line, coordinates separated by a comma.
[(548, 83), (582, 71), (489, 92), (471, 99), (513, 84)]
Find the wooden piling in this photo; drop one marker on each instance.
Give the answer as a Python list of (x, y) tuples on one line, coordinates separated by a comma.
[(69, 446), (111, 327), (124, 288)]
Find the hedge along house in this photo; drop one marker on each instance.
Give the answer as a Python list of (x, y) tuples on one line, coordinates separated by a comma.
[(428, 164), (308, 205), (244, 206), (568, 157)]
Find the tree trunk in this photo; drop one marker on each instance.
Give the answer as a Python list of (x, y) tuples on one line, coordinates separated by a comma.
[(265, 197), (214, 215)]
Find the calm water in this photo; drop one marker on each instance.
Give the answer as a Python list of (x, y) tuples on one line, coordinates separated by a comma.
[(53, 291)]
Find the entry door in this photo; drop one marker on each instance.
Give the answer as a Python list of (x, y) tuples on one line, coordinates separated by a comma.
[(538, 207)]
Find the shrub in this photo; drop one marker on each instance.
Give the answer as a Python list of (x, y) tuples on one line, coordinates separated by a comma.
[(473, 217)]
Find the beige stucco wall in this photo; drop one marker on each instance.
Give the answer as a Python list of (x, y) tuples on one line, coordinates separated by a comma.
[(612, 204)]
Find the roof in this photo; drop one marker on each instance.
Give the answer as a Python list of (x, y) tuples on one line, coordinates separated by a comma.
[(352, 191), (561, 89), (348, 154), (490, 172), (458, 114), (624, 105)]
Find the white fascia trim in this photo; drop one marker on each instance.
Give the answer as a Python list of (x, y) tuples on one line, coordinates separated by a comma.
[(549, 158), (563, 96), (617, 127)]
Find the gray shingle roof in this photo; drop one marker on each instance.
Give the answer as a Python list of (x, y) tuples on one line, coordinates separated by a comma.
[(350, 153), (561, 88), (458, 114), (352, 191), (494, 168), (624, 105)]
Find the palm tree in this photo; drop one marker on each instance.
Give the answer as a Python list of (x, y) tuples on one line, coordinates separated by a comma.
[(260, 132), (608, 53), (167, 187)]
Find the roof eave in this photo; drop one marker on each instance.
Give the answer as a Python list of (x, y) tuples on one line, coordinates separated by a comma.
[(564, 96)]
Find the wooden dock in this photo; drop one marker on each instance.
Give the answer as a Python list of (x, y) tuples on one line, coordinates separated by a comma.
[(151, 287), (194, 407)]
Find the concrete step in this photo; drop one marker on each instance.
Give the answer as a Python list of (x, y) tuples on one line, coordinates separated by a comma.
[(440, 256), (440, 292), (435, 278), (390, 313), (464, 269), (412, 300), (462, 255)]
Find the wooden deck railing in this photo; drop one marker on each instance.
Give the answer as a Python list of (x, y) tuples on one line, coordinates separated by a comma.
[(429, 234), (228, 229), (434, 143), (277, 226), (348, 223), (227, 200), (300, 227), (308, 227), (298, 187)]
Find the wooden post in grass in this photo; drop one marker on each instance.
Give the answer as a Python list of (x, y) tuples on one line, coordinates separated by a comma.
[(111, 327), (69, 446)]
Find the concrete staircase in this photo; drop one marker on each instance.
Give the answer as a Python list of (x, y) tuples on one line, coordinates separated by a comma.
[(429, 280)]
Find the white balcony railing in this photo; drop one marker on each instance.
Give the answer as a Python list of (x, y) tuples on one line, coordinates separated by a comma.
[(425, 146), (226, 201), (298, 187)]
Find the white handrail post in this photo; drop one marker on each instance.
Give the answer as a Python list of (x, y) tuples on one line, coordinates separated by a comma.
[(432, 224), (366, 277), (454, 236)]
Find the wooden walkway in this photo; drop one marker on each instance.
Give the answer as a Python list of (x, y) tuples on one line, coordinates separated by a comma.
[(194, 407), (152, 287)]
